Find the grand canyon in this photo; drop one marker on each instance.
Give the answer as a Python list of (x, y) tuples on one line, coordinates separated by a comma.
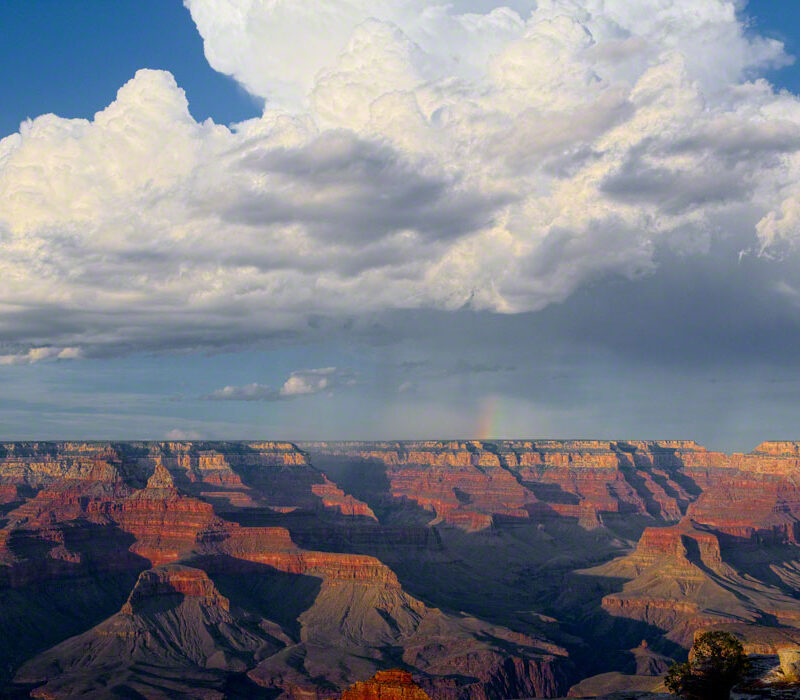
[(479, 569)]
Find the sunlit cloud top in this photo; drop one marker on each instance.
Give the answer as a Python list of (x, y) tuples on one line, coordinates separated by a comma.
[(411, 155)]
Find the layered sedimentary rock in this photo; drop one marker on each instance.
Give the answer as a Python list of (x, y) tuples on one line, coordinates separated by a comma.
[(473, 484), (162, 494), (716, 532), (461, 483), (386, 685), (196, 624), (217, 600), (681, 579), (177, 625), (254, 474), (487, 569)]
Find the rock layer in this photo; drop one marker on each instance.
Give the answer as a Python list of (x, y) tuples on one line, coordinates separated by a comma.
[(486, 569), (386, 685)]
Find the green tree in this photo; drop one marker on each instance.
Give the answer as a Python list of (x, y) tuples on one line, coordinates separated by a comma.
[(716, 663)]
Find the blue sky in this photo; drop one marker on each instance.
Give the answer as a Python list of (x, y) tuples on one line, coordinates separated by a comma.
[(71, 58), (674, 315)]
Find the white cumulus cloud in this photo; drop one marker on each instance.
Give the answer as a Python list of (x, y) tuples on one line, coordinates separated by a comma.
[(411, 154), (303, 382), (179, 435), (40, 354)]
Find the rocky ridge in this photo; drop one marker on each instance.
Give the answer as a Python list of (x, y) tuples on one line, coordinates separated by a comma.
[(487, 569), (394, 684)]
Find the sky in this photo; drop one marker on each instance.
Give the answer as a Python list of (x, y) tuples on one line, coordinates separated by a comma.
[(399, 219)]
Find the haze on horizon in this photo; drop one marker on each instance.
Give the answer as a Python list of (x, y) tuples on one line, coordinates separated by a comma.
[(400, 219)]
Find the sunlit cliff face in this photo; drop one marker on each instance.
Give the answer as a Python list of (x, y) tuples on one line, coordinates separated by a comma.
[(267, 558)]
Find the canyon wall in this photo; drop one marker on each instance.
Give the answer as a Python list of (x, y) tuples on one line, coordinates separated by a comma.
[(486, 569)]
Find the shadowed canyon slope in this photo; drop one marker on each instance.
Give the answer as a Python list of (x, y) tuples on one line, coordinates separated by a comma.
[(485, 569)]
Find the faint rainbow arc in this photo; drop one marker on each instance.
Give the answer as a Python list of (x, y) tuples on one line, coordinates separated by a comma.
[(488, 419)]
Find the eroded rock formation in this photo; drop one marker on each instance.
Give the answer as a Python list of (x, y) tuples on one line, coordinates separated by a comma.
[(386, 685), (487, 569)]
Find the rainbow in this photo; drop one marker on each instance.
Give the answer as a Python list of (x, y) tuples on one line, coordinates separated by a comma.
[(488, 418)]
